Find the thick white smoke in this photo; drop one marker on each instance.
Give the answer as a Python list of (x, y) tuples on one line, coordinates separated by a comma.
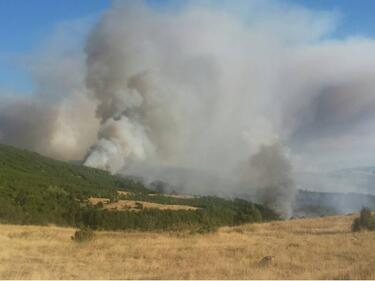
[(195, 90), (206, 87)]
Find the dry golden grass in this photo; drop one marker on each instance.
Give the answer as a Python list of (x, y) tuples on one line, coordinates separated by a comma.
[(96, 200), (131, 205), (120, 192), (321, 248), (179, 196)]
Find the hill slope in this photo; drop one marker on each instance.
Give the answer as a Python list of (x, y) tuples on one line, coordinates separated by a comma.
[(38, 190)]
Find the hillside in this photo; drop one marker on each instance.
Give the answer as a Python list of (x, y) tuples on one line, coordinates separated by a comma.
[(321, 248), (38, 190)]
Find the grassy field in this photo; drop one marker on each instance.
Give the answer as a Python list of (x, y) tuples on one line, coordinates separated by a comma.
[(132, 205), (322, 248)]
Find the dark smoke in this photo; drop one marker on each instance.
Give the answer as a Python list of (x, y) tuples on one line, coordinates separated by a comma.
[(269, 173)]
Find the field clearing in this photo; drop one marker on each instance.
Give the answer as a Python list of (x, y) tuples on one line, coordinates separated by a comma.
[(125, 193), (178, 196), (132, 205), (322, 248)]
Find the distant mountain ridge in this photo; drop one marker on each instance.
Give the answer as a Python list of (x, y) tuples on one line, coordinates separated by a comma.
[(355, 180), (312, 204)]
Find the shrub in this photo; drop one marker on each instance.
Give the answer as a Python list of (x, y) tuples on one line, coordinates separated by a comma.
[(83, 234), (99, 205), (356, 225), (138, 206), (365, 221), (365, 217)]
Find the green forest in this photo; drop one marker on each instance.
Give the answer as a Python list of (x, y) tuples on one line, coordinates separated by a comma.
[(38, 190)]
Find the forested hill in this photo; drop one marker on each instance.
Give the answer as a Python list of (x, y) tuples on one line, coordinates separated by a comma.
[(25, 170), (38, 190)]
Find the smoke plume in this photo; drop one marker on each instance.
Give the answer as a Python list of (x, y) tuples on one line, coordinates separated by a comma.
[(268, 172), (215, 87)]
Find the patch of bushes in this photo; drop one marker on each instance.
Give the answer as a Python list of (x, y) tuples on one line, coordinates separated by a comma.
[(365, 221), (83, 234)]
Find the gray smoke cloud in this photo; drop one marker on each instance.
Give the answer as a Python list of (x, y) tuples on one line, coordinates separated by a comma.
[(205, 87), (57, 120), (15, 128), (269, 173)]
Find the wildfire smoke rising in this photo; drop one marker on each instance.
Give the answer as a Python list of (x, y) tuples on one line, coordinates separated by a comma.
[(205, 88)]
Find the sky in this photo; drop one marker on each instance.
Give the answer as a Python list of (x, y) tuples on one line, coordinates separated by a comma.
[(356, 16), (24, 24)]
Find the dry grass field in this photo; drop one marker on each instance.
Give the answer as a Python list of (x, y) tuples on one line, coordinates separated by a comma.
[(131, 205), (322, 248), (178, 196)]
